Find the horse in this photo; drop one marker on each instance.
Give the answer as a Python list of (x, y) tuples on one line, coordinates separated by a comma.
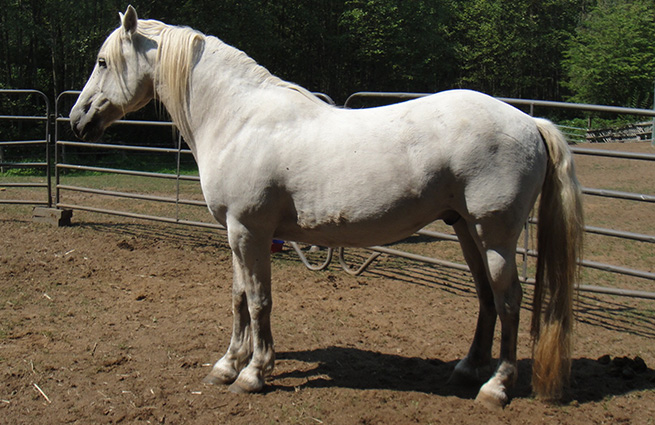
[(277, 162)]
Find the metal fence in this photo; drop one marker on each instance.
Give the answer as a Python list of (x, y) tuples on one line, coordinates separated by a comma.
[(187, 205), (39, 168)]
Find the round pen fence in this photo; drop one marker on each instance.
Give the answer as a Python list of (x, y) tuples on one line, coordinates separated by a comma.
[(157, 180), (25, 163)]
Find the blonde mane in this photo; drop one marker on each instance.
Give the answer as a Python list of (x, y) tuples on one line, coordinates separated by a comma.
[(179, 49)]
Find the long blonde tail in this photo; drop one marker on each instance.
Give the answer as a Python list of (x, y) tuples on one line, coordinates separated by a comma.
[(559, 243)]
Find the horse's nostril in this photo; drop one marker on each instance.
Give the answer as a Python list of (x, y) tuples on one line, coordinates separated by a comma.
[(87, 107)]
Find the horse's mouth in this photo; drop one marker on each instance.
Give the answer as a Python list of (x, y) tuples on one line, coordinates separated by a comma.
[(89, 120), (89, 131)]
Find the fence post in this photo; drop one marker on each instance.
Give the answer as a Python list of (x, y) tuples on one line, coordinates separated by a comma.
[(652, 130)]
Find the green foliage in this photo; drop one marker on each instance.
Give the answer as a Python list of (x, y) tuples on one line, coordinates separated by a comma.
[(400, 46), (514, 48), (611, 59), (587, 50)]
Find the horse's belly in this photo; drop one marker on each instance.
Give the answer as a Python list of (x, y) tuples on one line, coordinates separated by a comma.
[(342, 230)]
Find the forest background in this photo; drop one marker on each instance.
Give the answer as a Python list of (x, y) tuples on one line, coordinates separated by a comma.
[(589, 51)]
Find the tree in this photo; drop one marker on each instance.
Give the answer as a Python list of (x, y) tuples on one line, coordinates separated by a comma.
[(611, 60), (514, 48), (399, 45)]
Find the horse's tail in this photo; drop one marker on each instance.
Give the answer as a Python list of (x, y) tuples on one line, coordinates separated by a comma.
[(559, 243)]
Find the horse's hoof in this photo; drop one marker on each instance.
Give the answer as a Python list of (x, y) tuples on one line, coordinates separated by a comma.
[(240, 387), (249, 381), (216, 379), (237, 389), (494, 402)]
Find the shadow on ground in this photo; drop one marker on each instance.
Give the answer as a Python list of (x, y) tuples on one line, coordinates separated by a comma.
[(591, 379)]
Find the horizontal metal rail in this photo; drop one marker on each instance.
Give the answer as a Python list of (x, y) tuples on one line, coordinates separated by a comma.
[(591, 264), (127, 172), (133, 195), (23, 142), (421, 258), (620, 292), (23, 184), (122, 147), (23, 164), (618, 269), (604, 267), (402, 96), (613, 154), (23, 118), (63, 205), (438, 235), (23, 202), (463, 267), (619, 195), (22, 91), (534, 253), (130, 122), (520, 250), (632, 293), (640, 237)]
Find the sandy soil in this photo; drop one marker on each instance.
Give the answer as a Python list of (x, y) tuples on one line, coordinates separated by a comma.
[(117, 321)]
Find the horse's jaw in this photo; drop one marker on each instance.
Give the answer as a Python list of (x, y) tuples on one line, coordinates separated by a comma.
[(91, 116)]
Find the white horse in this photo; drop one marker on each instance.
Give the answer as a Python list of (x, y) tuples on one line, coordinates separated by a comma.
[(276, 162)]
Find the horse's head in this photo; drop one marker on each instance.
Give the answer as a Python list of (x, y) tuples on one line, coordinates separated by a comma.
[(121, 81)]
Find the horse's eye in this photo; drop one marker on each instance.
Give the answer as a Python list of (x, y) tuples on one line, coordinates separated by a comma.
[(102, 63)]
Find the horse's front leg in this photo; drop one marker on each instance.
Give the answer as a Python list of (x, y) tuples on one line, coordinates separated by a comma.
[(252, 340), (226, 370)]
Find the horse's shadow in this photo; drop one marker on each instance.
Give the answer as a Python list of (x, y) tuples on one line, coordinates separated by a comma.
[(591, 380)]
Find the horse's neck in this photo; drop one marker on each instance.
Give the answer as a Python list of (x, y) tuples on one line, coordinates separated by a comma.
[(224, 76), (227, 86), (231, 66)]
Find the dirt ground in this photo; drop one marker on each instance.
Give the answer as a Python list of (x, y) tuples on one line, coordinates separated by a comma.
[(116, 320)]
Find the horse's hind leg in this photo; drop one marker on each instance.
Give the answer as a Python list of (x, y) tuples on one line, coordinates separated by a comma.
[(496, 238), (507, 296), (479, 355)]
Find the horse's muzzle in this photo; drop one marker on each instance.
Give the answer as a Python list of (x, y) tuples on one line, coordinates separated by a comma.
[(90, 118), (86, 128)]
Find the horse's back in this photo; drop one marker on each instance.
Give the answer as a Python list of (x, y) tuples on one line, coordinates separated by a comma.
[(402, 166)]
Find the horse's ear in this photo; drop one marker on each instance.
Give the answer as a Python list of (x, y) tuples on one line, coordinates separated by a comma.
[(129, 20)]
